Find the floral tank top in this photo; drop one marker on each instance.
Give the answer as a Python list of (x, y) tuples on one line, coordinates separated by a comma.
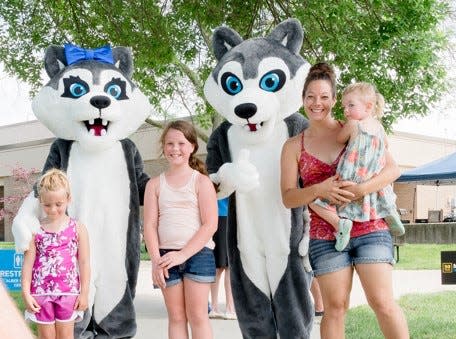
[(313, 171), (55, 270)]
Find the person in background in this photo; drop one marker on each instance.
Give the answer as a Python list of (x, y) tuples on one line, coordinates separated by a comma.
[(56, 267), (180, 218), (318, 300), (313, 156), (221, 263), (364, 157)]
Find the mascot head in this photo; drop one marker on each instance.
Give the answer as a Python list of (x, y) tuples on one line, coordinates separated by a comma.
[(90, 97), (259, 81)]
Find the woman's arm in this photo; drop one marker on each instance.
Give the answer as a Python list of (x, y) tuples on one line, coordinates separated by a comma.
[(292, 196), (84, 268), (207, 202), (12, 324), (26, 277), (387, 175)]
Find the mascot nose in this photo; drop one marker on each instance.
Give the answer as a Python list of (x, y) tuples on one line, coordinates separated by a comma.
[(245, 111), (100, 101)]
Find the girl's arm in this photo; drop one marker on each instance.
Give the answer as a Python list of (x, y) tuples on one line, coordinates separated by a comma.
[(207, 202), (349, 128), (26, 277), (387, 175), (84, 268), (151, 230), (292, 196)]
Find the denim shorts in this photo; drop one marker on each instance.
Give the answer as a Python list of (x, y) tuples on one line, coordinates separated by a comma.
[(375, 247), (200, 268)]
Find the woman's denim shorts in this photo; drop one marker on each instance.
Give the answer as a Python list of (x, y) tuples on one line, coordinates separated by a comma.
[(375, 247), (200, 268)]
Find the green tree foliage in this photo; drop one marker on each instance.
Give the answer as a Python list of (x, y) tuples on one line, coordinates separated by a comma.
[(392, 43)]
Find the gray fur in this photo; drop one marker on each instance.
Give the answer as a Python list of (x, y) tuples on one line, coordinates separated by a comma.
[(290, 314), (55, 61), (118, 320), (250, 52)]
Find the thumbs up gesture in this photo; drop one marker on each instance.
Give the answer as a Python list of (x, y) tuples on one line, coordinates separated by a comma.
[(240, 176)]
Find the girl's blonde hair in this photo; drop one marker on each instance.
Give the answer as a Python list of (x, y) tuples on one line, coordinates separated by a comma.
[(369, 93), (53, 180), (189, 133)]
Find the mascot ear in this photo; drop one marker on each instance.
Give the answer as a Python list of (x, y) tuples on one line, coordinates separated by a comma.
[(223, 39), (290, 34), (54, 60), (123, 60)]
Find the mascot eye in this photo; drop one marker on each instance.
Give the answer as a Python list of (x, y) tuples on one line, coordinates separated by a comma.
[(231, 83), (114, 91), (74, 87), (116, 88), (77, 90), (273, 80)]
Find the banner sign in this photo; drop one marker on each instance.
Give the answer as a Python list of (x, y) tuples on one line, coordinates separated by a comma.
[(448, 260), (10, 266)]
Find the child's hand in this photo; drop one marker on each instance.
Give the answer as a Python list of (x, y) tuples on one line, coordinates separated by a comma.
[(82, 302), (172, 258), (30, 303), (158, 275)]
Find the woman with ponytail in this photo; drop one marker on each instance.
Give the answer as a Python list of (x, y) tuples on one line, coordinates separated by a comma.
[(314, 156), (180, 217)]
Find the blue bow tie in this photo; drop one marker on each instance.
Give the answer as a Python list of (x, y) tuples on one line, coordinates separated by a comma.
[(75, 54)]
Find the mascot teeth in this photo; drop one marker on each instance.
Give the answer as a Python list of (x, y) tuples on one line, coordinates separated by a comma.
[(97, 127)]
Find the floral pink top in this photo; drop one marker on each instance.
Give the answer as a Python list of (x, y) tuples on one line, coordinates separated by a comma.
[(313, 171), (55, 270)]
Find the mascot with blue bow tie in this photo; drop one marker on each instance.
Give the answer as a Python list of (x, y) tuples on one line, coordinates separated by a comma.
[(91, 104)]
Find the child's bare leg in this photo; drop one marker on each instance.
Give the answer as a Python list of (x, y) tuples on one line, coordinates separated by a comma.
[(64, 330), (329, 215), (342, 226), (46, 331)]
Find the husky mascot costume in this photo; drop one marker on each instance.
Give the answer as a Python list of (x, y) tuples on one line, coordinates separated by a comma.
[(92, 106), (257, 86)]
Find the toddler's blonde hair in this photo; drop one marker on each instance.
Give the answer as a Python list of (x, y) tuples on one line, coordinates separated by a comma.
[(53, 180), (369, 93)]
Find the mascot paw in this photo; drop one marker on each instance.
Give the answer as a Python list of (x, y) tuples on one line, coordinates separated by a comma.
[(303, 248), (240, 175), (306, 263), (23, 228)]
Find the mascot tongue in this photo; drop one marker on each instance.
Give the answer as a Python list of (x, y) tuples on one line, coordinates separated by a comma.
[(252, 127), (97, 128)]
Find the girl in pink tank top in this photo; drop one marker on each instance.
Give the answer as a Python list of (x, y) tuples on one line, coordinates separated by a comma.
[(55, 272), (180, 217)]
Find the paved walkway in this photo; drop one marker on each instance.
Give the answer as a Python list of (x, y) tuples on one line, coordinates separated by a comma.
[(152, 318)]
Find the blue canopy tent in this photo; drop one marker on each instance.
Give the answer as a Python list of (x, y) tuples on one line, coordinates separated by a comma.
[(438, 172)]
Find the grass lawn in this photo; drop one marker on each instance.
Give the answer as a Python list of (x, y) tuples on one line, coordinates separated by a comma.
[(421, 256), (429, 316)]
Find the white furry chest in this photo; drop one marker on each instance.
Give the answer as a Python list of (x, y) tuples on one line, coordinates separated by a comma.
[(100, 188), (262, 219)]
